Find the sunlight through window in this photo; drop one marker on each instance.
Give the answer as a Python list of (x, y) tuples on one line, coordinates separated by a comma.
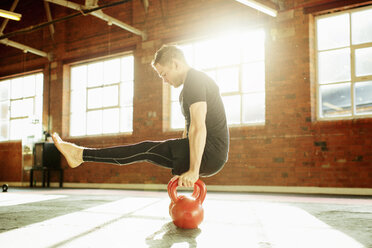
[(236, 61), (101, 99), (344, 64), (21, 99)]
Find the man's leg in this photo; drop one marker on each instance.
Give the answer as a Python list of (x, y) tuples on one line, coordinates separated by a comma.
[(172, 154), (156, 152)]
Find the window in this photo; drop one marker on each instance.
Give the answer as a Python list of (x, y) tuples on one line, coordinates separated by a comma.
[(344, 64), (101, 100), (21, 103), (237, 64)]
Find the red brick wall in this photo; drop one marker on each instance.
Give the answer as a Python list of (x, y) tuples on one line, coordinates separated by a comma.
[(291, 149), (10, 161)]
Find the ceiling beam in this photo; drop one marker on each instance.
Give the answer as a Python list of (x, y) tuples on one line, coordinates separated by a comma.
[(25, 48), (49, 16), (326, 6), (146, 5), (17, 45), (91, 3), (61, 19), (101, 15), (5, 22)]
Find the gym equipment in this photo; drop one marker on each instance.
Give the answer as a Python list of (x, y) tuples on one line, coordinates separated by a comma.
[(5, 187), (187, 212)]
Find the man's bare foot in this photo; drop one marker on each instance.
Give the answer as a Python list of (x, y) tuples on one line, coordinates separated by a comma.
[(72, 152)]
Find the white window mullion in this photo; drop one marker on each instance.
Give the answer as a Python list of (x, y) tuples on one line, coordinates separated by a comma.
[(352, 68)]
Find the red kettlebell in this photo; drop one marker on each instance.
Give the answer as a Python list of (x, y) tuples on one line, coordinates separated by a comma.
[(187, 212)]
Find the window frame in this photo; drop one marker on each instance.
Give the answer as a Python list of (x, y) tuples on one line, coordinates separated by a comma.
[(34, 96), (167, 89), (353, 78), (102, 108)]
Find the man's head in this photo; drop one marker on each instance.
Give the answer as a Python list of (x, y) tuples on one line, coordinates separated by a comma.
[(171, 65)]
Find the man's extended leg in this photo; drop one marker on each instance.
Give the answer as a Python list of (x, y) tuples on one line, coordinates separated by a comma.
[(156, 152), (172, 154)]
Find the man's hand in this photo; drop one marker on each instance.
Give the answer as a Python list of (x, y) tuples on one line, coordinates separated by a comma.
[(187, 179)]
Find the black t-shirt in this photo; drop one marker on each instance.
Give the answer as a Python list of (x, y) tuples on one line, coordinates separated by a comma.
[(199, 87)]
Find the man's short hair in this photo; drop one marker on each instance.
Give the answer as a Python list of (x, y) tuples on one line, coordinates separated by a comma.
[(166, 53)]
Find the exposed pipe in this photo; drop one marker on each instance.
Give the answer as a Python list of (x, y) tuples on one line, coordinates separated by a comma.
[(101, 15), (42, 25)]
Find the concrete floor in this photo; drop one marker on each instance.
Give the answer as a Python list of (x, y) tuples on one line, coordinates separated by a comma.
[(120, 218)]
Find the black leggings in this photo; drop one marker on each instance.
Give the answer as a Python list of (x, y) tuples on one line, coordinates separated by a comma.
[(173, 154)]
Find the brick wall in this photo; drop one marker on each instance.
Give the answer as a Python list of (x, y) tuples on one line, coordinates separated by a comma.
[(291, 149)]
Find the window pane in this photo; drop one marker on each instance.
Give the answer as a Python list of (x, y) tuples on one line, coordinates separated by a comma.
[(363, 61), (206, 54), (228, 54), (232, 106), (254, 108), (363, 97), (177, 119), (361, 24), (175, 94), (29, 86), (333, 32), (111, 71), (77, 124), (39, 84), (94, 122), (39, 107), (78, 77), (127, 65), (110, 96), (16, 109), (4, 108), (16, 128), (4, 90), (253, 46), (17, 88), (95, 74), (4, 133), (126, 122), (335, 100), (188, 52), (126, 95), (108, 82), (334, 66), (20, 97), (78, 101), (253, 77), (111, 120), (28, 106), (95, 98), (228, 79)]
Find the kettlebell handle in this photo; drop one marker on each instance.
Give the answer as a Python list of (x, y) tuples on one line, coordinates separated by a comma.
[(199, 193)]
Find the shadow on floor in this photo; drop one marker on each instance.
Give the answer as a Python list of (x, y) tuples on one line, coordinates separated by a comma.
[(13, 217), (170, 234)]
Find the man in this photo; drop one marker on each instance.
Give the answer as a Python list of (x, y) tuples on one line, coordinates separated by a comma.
[(203, 149)]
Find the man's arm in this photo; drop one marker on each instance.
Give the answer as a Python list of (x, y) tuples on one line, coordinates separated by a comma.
[(197, 139)]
